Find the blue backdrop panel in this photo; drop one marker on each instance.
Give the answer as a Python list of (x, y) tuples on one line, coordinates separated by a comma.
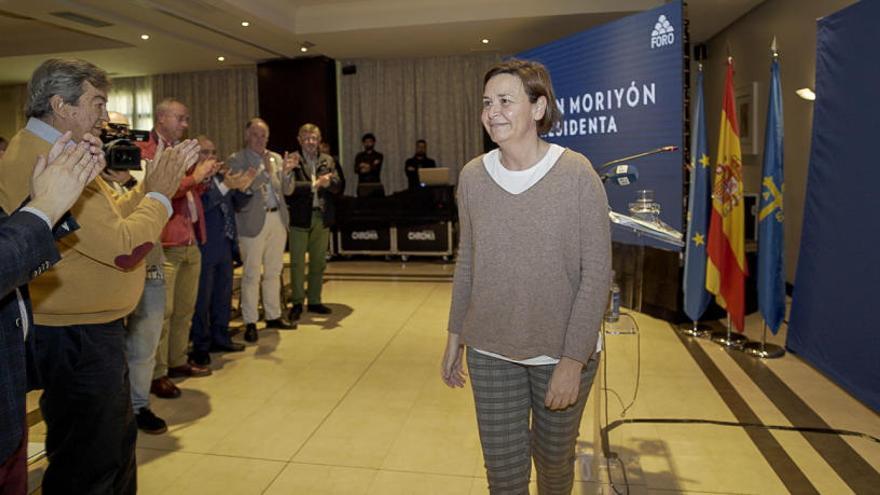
[(834, 319), (620, 87)]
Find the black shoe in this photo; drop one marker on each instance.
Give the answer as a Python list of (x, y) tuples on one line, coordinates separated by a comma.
[(148, 422), (230, 347), (250, 332), (200, 358), (280, 324), (295, 312), (320, 309)]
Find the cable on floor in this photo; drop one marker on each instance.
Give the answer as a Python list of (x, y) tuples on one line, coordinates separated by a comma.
[(608, 427)]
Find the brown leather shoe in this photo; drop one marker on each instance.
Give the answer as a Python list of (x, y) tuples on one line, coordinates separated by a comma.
[(190, 370), (164, 388)]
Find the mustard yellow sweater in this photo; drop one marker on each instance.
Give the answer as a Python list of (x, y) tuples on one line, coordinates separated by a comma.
[(101, 273)]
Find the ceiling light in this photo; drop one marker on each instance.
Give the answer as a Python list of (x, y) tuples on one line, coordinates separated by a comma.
[(221, 58), (303, 49), (485, 41), (145, 37), (806, 93), (245, 24)]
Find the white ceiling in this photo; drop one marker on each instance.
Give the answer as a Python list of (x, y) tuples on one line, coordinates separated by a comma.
[(187, 35)]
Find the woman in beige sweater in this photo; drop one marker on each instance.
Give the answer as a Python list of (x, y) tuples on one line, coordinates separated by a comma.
[(531, 285)]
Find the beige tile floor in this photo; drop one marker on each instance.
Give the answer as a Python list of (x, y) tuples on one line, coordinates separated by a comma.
[(352, 404)]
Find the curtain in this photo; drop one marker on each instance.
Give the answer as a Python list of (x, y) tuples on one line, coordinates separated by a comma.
[(220, 102), (133, 97), (437, 99)]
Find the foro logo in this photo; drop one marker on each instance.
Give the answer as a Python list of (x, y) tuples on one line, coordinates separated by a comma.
[(365, 235), (421, 235), (663, 33)]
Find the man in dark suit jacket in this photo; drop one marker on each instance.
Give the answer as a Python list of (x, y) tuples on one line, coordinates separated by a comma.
[(316, 181), (210, 323), (27, 249)]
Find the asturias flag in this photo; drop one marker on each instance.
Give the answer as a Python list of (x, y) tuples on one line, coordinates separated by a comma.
[(726, 269), (696, 298), (771, 283)]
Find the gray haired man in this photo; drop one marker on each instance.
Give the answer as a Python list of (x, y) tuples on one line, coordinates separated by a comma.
[(262, 224), (79, 304)]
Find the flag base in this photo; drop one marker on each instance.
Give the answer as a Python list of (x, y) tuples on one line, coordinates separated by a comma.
[(763, 350), (729, 339), (695, 330)]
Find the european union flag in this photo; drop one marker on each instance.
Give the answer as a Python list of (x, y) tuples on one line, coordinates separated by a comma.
[(696, 297), (771, 281)]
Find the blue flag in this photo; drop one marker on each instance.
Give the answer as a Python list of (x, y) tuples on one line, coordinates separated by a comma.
[(771, 281), (696, 297)]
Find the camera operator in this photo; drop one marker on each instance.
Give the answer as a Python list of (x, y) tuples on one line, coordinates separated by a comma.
[(120, 179), (79, 304), (144, 325)]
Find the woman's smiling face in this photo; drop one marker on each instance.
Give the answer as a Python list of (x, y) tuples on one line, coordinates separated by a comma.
[(508, 115)]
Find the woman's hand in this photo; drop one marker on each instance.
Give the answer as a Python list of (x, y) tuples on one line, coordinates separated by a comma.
[(564, 384), (451, 370)]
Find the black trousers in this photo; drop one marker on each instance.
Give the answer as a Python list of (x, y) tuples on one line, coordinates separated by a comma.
[(91, 432)]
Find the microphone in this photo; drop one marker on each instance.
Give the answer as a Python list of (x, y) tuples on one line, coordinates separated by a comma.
[(621, 175), (664, 149)]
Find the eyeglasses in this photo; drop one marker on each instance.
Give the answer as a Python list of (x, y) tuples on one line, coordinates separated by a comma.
[(208, 152)]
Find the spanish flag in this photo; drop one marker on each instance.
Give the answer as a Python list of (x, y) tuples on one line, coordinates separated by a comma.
[(726, 269)]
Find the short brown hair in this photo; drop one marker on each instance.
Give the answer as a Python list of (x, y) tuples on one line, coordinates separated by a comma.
[(536, 82)]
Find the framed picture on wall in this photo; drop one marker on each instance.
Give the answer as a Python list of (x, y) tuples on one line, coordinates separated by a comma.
[(747, 117)]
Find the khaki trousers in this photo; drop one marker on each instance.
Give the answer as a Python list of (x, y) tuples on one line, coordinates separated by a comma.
[(182, 267)]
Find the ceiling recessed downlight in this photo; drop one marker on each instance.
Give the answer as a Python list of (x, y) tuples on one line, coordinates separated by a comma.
[(221, 58), (145, 37), (245, 24)]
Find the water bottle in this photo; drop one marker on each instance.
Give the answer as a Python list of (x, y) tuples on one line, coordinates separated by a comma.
[(613, 312)]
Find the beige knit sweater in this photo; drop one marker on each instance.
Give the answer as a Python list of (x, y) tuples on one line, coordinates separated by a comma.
[(100, 277), (533, 269)]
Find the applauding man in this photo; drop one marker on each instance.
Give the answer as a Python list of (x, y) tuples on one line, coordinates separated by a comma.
[(27, 249), (210, 323), (316, 180), (79, 304), (262, 228)]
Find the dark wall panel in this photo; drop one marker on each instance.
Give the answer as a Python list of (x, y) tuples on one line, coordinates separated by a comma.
[(293, 92)]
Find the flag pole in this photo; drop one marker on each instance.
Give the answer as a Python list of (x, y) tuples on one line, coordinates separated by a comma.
[(727, 338), (696, 297), (697, 329), (762, 349)]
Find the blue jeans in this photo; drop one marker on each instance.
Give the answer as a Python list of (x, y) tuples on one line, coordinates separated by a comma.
[(142, 338)]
